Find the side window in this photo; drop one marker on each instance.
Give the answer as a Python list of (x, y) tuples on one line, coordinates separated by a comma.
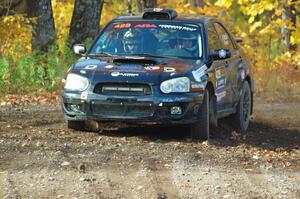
[(213, 38), (224, 37)]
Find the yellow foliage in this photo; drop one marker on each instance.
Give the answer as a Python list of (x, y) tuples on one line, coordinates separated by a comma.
[(15, 37), (184, 8), (224, 3), (62, 14)]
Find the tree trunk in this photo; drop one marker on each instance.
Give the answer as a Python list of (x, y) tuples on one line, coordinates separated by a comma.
[(11, 7), (289, 13), (142, 4), (293, 16), (129, 7), (197, 3), (43, 34), (85, 20)]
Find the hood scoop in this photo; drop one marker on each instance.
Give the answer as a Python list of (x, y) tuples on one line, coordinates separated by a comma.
[(134, 61)]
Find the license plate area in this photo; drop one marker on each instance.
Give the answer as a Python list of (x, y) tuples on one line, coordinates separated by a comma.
[(122, 109)]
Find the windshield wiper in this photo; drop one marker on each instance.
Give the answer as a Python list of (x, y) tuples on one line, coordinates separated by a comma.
[(147, 55), (102, 54)]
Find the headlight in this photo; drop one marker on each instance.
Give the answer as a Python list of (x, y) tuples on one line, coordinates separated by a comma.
[(176, 85), (76, 82)]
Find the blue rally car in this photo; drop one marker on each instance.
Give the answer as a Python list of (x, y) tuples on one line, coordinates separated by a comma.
[(160, 68)]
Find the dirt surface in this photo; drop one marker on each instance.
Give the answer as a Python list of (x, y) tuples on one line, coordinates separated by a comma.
[(41, 158)]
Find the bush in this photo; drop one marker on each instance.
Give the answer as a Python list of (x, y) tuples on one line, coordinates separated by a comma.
[(37, 71)]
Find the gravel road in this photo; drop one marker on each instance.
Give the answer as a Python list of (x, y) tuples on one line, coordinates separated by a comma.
[(41, 158)]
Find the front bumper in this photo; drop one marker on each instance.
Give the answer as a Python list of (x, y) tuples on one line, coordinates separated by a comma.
[(132, 108)]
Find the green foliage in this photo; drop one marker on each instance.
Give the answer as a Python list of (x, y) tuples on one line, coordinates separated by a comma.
[(4, 74), (37, 71), (88, 42)]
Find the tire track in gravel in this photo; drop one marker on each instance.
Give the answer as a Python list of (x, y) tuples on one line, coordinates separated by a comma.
[(273, 184), (206, 180), (3, 184), (142, 183), (160, 180)]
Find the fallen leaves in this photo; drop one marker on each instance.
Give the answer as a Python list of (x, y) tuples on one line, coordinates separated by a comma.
[(30, 99)]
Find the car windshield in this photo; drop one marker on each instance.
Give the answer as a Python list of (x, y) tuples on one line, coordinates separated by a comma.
[(148, 38)]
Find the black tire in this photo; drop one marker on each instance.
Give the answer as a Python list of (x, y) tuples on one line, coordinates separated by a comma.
[(200, 130), (241, 119), (89, 125), (76, 125)]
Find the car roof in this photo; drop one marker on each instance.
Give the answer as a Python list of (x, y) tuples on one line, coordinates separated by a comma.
[(186, 18)]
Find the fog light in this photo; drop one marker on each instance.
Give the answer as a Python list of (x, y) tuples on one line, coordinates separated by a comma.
[(76, 108), (176, 110)]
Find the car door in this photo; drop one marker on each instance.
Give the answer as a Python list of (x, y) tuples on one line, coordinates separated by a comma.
[(218, 67), (232, 64)]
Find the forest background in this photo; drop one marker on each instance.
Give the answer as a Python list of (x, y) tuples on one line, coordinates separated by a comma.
[(36, 38)]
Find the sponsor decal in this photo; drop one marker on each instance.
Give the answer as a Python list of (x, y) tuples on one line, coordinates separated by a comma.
[(123, 25), (117, 74), (174, 27), (199, 73), (221, 95), (90, 67), (145, 26), (84, 95), (242, 74), (221, 83), (169, 70), (220, 72), (197, 86), (152, 68), (225, 40), (109, 66)]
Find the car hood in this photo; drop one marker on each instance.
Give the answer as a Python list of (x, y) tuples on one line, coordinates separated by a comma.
[(133, 69)]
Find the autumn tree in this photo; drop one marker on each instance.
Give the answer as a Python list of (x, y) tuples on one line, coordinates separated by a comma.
[(266, 18), (10, 7), (85, 20), (43, 34), (289, 13), (142, 4), (197, 3)]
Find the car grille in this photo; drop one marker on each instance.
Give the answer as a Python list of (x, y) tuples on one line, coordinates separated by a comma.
[(123, 109), (122, 89)]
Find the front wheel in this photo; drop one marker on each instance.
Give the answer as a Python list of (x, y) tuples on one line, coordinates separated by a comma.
[(241, 119), (200, 130), (76, 125), (88, 125)]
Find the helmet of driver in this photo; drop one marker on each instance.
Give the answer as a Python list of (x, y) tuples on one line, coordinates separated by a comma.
[(132, 41), (188, 40)]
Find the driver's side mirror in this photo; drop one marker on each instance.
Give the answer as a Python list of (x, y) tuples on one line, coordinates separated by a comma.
[(220, 54), (79, 49)]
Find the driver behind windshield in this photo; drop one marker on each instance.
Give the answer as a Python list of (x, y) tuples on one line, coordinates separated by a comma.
[(133, 42), (189, 42)]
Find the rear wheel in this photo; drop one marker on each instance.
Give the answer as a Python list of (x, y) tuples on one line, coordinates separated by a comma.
[(200, 130), (241, 119)]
